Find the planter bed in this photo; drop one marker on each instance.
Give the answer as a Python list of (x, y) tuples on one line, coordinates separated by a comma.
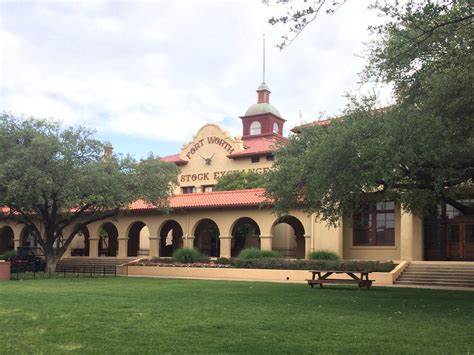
[(231, 272)]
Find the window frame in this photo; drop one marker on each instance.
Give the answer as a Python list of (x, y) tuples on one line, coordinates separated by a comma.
[(255, 125), (371, 214)]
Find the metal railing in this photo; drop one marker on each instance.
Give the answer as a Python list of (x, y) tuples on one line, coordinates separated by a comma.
[(65, 271)]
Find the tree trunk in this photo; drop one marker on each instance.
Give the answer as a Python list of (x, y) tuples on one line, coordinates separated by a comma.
[(51, 261)]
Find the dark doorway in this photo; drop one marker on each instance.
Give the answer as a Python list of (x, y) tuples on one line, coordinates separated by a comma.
[(207, 238), (108, 243), (134, 238), (171, 238), (245, 234), (6, 239)]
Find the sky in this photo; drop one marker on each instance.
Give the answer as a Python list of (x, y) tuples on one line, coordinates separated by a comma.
[(146, 75)]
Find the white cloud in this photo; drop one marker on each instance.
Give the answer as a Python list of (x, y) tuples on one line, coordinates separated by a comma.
[(160, 70)]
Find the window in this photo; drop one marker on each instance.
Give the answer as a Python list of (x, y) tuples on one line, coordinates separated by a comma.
[(255, 159), (188, 189), (276, 129), (375, 226), (208, 188), (255, 128), (270, 157)]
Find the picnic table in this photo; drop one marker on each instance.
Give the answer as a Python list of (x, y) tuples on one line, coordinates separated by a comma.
[(323, 278)]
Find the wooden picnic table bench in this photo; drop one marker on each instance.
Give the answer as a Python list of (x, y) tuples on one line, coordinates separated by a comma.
[(323, 278)]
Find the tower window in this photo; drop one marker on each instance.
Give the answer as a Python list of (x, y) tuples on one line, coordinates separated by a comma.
[(255, 159), (255, 128), (276, 129)]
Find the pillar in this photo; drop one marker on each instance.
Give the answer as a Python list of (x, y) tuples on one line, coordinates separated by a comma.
[(226, 243), (16, 243), (266, 242), (122, 247), (188, 242), (93, 247), (411, 237), (307, 245), (154, 246)]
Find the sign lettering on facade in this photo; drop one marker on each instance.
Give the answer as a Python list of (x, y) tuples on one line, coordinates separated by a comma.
[(209, 140)]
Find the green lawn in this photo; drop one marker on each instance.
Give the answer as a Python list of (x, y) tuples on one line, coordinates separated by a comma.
[(132, 315)]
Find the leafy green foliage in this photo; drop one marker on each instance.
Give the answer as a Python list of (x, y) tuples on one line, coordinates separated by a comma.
[(337, 265), (58, 177), (8, 255), (418, 152), (240, 180), (188, 255), (323, 255), (254, 253)]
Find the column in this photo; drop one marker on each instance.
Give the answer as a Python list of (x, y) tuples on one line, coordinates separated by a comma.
[(226, 244), (122, 247), (154, 246), (188, 242), (266, 242), (307, 245), (93, 247), (411, 237), (16, 243)]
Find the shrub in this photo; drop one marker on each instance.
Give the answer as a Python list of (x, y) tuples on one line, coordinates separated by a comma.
[(254, 253), (323, 255), (188, 255), (8, 255), (285, 264), (250, 253), (270, 254), (222, 260)]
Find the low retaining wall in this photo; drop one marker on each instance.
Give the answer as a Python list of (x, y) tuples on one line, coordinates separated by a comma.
[(4, 271), (299, 276)]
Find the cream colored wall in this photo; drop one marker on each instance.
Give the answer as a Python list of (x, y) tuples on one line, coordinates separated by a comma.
[(197, 173), (327, 238), (369, 252)]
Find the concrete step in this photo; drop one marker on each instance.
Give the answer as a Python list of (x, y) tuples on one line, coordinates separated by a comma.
[(433, 283), (411, 278), (447, 273), (437, 277)]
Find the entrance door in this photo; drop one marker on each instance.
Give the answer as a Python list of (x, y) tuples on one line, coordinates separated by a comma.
[(460, 241), (468, 241)]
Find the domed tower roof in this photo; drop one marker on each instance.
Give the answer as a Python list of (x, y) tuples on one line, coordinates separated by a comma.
[(262, 118)]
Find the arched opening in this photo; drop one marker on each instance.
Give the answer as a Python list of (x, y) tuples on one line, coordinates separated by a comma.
[(108, 242), (27, 238), (206, 238), (245, 234), (288, 237), (171, 238), (6, 239), (80, 244), (137, 236), (255, 128)]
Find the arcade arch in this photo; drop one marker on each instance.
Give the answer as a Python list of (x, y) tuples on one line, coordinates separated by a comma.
[(138, 239), (245, 234), (6, 239), (171, 238), (108, 240), (288, 237), (206, 237)]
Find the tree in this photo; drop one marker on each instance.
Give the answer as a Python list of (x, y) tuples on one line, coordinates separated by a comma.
[(418, 151), (240, 180), (58, 177)]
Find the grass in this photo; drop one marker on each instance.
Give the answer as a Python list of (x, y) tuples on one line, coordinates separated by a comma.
[(134, 315)]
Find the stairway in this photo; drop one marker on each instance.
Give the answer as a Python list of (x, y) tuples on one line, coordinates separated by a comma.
[(106, 265), (450, 274)]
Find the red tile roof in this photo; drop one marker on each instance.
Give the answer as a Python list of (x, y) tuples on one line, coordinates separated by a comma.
[(174, 159), (323, 123), (237, 198), (258, 146)]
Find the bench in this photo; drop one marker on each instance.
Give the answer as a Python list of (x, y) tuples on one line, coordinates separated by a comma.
[(323, 278)]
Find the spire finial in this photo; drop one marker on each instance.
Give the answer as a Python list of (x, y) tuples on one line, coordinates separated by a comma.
[(263, 58)]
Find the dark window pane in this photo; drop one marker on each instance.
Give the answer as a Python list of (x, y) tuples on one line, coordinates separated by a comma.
[(386, 237), (362, 237)]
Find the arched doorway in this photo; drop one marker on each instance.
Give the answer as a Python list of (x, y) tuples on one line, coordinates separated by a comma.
[(136, 238), (80, 243), (288, 237), (245, 234), (171, 238), (6, 239), (108, 242), (206, 238)]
